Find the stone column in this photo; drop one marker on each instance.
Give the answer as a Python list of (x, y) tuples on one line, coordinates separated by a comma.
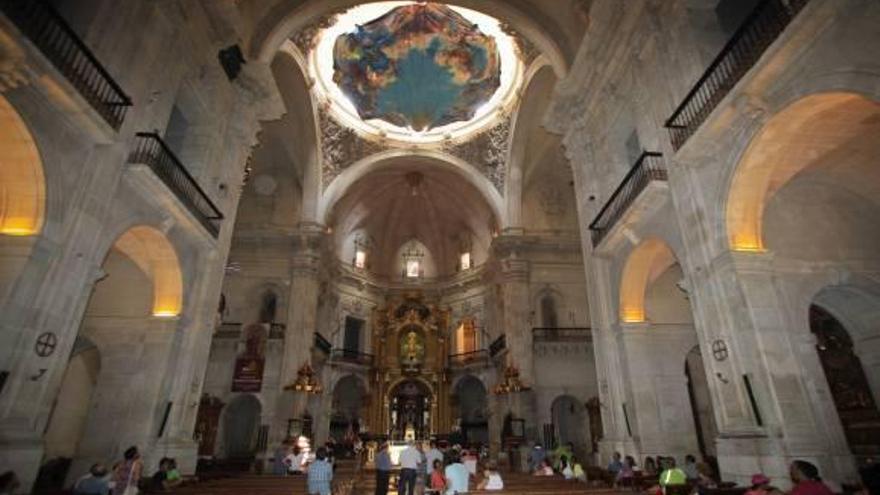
[(517, 330), (301, 323)]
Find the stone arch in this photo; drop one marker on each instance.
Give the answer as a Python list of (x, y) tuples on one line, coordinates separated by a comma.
[(569, 416), (645, 263), (549, 298), (288, 19), (241, 422), (22, 183), (154, 254), (792, 141), (337, 189)]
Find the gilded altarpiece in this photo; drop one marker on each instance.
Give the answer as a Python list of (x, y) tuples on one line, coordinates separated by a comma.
[(411, 382)]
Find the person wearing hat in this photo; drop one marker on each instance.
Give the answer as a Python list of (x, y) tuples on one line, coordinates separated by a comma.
[(760, 485)]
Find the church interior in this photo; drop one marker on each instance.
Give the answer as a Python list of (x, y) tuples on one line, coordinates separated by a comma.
[(237, 230)]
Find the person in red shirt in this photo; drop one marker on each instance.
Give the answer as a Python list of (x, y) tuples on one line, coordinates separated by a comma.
[(805, 477)]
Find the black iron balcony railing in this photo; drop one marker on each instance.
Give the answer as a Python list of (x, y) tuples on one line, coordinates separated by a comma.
[(322, 344), (49, 32), (497, 345), (561, 334), (352, 356), (647, 168), (469, 358), (152, 151), (758, 31)]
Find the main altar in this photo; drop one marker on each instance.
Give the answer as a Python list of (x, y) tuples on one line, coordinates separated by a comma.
[(411, 396)]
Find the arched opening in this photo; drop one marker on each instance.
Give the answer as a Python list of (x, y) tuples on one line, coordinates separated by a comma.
[(241, 424), (570, 424), (22, 185), (549, 318), (125, 324), (348, 409), (669, 379), (844, 323), (67, 421), (472, 409), (268, 307), (410, 410), (810, 170), (22, 195)]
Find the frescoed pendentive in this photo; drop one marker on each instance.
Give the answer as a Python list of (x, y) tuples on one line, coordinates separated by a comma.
[(419, 66)]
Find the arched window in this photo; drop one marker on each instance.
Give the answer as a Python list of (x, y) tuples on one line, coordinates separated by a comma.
[(466, 336), (549, 319), (268, 307)]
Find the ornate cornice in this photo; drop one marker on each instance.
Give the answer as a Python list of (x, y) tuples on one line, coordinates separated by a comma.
[(304, 39), (488, 151), (341, 147)]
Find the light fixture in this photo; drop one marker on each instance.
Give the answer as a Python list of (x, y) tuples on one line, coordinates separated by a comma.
[(306, 381), (511, 382)]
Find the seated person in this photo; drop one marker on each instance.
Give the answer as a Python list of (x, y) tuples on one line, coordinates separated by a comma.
[(544, 469), (565, 468), (491, 478), (94, 483), (577, 470), (172, 476), (457, 476), (670, 475), (437, 483), (760, 485), (157, 482), (627, 471)]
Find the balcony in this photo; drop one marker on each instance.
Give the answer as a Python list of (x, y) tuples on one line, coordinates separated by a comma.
[(562, 334), (476, 358), (648, 169), (232, 330), (497, 346), (759, 30), (322, 344), (50, 33), (351, 356), (150, 150)]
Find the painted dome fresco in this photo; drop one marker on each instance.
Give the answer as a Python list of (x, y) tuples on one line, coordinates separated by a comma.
[(419, 66), (415, 72)]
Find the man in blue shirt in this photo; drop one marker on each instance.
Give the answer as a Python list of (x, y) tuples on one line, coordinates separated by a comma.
[(320, 474), (95, 483), (457, 477), (615, 465), (383, 469)]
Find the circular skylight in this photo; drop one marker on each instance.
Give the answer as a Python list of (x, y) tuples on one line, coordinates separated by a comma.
[(414, 72)]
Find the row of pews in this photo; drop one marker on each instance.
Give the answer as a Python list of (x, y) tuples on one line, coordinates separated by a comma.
[(253, 484)]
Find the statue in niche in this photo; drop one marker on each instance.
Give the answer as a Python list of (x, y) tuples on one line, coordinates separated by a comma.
[(412, 350)]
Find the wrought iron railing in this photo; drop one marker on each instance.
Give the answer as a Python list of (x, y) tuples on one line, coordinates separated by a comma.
[(497, 345), (322, 344), (647, 168), (758, 31), (561, 334), (469, 358), (49, 32), (152, 151), (352, 356)]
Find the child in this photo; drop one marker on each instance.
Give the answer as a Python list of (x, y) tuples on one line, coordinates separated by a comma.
[(437, 482)]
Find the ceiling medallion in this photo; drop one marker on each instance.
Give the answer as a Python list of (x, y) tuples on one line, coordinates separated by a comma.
[(415, 73)]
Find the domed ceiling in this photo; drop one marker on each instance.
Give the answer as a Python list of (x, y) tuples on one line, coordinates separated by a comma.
[(419, 66), (415, 72)]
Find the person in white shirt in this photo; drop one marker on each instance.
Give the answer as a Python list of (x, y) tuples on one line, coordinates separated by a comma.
[(431, 455), (491, 479), (409, 464)]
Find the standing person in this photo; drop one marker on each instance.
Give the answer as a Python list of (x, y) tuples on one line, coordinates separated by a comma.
[(279, 468), (383, 469), (457, 476), (536, 457), (433, 454), (320, 474), (438, 481), (128, 473), (409, 465), (806, 479)]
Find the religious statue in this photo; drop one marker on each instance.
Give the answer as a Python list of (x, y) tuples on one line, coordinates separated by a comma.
[(411, 349)]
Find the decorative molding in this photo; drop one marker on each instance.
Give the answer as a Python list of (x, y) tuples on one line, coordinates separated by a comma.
[(341, 146), (304, 39), (528, 52), (487, 151)]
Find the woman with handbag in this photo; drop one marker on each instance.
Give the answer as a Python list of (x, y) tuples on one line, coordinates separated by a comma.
[(128, 473)]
